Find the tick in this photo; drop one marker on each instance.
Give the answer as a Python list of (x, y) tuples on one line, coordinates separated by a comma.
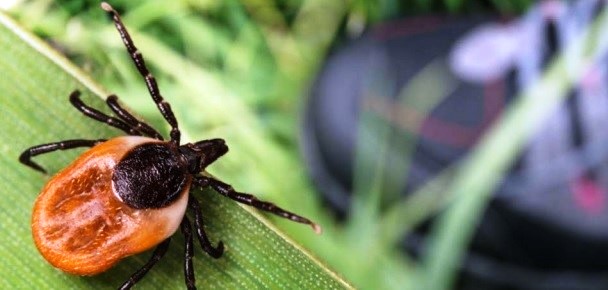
[(129, 194)]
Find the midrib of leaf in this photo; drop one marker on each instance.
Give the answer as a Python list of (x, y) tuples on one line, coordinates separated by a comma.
[(34, 84)]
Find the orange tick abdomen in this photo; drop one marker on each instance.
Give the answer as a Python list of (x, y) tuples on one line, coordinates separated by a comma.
[(79, 224)]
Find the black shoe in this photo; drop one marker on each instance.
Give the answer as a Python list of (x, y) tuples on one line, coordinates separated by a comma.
[(547, 225)]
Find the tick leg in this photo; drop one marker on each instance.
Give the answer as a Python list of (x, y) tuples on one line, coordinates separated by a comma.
[(158, 253), (189, 253), (228, 191), (214, 252), (26, 156), (99, 116), (213, 148), (140, 64), (126, 116)]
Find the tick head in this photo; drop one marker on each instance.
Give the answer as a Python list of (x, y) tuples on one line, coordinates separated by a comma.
[(202, 153)]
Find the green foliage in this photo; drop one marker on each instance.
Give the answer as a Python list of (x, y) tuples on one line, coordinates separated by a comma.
[(238, 69)]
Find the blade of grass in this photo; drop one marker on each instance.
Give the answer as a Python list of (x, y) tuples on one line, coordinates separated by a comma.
[(487, 164), (389, 141), (385, 143), (398, 220), (35, 83)]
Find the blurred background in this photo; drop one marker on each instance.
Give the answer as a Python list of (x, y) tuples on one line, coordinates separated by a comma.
[(441, 144)]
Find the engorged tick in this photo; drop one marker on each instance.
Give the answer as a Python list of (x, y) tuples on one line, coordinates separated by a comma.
[(129, 194)]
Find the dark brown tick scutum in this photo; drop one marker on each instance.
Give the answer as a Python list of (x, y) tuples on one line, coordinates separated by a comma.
[(129, 194), (151, 176)]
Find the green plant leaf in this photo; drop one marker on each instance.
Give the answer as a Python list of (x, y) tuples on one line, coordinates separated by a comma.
[(34, 84)]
